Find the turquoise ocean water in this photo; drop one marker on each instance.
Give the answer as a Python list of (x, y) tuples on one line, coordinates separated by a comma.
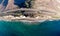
[(14, 28)]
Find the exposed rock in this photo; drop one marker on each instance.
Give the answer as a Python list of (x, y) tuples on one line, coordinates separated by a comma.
[(47, 5), (11, 5)]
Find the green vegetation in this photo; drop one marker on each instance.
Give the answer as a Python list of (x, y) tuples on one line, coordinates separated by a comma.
[(28, 3)]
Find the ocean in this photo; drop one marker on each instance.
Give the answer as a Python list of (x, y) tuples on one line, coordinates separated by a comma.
[(18, 28), (16, 2)]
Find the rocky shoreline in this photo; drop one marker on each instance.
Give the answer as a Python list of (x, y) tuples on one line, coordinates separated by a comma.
[(26, 19)]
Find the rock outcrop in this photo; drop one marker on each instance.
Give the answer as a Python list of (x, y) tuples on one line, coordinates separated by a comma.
[(47, 5), (10, 5)]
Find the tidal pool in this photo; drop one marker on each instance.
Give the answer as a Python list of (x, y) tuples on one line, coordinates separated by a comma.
[(14, 28)]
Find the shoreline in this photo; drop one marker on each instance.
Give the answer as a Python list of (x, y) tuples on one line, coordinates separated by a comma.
[(28, 20)]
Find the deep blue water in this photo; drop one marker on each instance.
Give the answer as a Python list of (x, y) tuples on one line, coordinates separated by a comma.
[(16, 2), (0, 1), (46, 28), (4, 3)]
